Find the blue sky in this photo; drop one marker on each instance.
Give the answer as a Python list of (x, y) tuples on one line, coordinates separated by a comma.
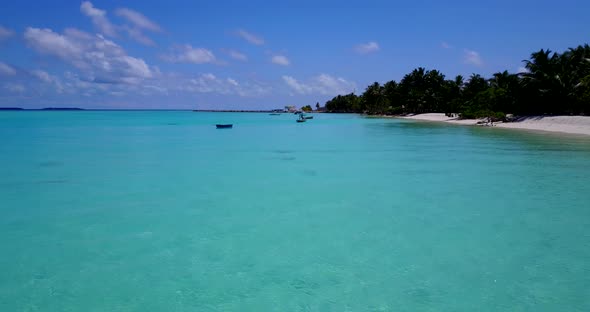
[(256, 54)]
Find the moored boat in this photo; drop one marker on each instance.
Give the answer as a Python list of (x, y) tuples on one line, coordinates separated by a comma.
[(224, 126)]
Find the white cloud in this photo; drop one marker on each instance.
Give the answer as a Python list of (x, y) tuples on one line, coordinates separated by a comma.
[(236, 55), (14, 87), (280, 60), (5, 33), (48, 42), (138, 20), (138, 36), (472, 57), (188, 54), (445, 45), (47, 78), (321, 84), (99, 18), (209, 83), (139, 23), (522, 69), (253, 39), (369, 47), (151, 89), (297, 86), (42, 75), (100, 60), (327, 84), (206, 83), (6, 70)]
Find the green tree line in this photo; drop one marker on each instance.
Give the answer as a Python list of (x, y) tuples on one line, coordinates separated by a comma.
[(554, 83)]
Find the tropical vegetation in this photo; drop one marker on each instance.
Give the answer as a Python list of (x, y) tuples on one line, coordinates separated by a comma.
[(553, 83), (307, 108)]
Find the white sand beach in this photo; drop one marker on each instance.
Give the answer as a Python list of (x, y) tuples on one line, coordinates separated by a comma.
[(562, 124)]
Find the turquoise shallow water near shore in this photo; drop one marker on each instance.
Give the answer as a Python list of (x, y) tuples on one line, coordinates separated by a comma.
[(160, 211)]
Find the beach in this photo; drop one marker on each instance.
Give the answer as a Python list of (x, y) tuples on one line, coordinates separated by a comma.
[(560, 124)]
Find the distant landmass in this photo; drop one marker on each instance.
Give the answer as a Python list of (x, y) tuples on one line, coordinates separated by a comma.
[(45, 109), (238, 110), (62, 108)]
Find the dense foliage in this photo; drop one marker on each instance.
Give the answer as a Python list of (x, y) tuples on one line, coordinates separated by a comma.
[(306, 108), (553, 84)]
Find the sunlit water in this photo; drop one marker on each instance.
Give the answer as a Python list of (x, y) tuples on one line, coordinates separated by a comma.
[(160, 211)]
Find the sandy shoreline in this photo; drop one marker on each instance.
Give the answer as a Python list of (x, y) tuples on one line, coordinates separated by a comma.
[(559, 124)]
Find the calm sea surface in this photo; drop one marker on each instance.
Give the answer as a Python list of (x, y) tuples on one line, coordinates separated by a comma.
[(160, 211)]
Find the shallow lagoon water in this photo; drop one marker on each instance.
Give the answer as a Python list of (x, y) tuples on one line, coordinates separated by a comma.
[(160, 211)]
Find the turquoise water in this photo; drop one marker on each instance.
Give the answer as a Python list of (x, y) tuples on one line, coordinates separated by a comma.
[(160, 211)]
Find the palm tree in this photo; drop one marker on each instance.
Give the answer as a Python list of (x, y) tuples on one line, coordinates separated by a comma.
[(505, 89), (576, 77), (542, 80), (453, 95), (413, 88), (374, 99), (459, 81), (392, 94)]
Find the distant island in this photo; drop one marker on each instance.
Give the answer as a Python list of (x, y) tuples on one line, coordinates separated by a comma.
[(287, 109), (62, 108), (41, 109), (234, 111)]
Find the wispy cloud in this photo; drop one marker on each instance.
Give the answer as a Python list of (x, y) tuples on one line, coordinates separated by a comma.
[(5, 33), (41, 75), (137, 35), (47, 78), (327, 84), (6, 70), (14, 87), (297, 86), (445, 45), (321, 84), (188, 54), (280, 60), (236, 55), (66, 47), (99, 18), (232, 82), (138, 20), (250, 37), (366, 48), (522, 69), (209, 83), (139, 24), (472, 58)]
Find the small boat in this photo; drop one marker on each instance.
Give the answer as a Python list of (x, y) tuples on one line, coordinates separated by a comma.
[(224, 126), (274, 114), (308, 117), (300, 120)]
